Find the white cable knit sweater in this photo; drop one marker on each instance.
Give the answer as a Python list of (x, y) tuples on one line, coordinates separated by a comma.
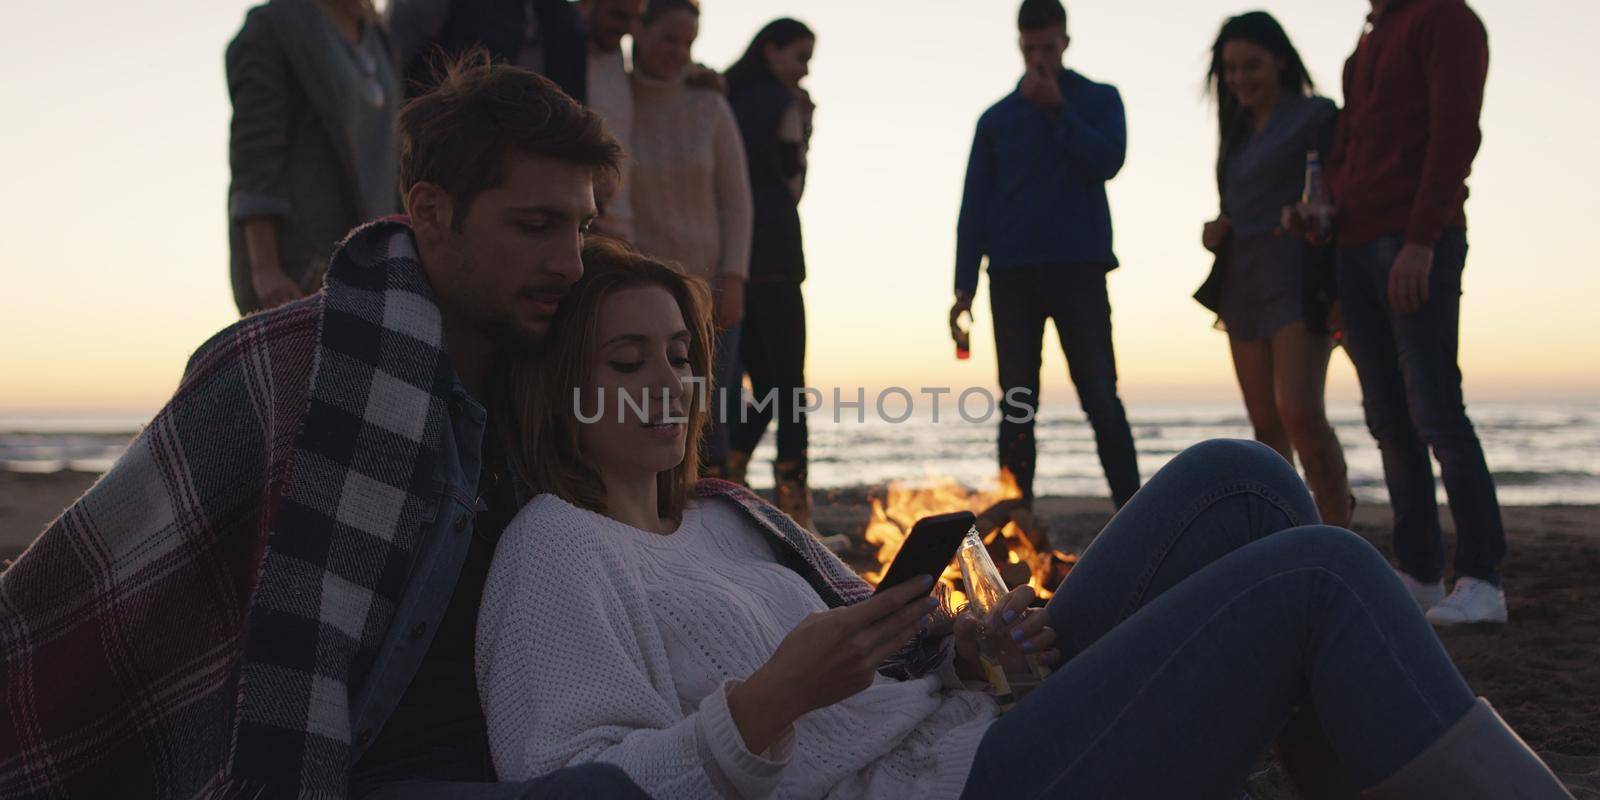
[(598, 641)]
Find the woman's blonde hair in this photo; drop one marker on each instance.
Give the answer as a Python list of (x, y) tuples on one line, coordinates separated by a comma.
[(541, 386)]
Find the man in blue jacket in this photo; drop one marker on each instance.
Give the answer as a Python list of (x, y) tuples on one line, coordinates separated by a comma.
[(1035, 205)]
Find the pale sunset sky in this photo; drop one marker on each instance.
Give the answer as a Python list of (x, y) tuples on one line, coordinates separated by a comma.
[(113, 152)]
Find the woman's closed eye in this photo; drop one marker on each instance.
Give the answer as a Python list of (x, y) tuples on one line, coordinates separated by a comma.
[(625, 367)]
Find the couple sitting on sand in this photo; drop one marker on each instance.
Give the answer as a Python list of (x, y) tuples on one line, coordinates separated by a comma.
[(369, 549)]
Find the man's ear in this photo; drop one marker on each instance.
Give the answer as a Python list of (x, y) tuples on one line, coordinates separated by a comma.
[(430, 208), (1066, 42)]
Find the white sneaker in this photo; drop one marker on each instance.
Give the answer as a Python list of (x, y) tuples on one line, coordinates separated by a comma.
[(1472, 601), (1427, 595)]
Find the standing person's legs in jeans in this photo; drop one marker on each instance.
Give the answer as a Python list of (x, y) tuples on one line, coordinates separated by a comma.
[(1081, 309), (1200, 621), (1017, 306), (1411, 392), (773, 347)]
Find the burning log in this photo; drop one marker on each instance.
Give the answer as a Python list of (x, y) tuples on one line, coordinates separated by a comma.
[(1014, 512), (1018, 544)]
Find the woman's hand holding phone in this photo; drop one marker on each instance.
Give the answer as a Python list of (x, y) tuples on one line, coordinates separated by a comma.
[(828, 657), (1012, 633)]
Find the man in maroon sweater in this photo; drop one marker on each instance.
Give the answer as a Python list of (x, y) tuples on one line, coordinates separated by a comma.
[(1405, 144)]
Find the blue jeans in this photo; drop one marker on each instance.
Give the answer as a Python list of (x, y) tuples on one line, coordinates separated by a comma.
[(463, 772), (1074, 295), (1209, 617), (1411, 392)]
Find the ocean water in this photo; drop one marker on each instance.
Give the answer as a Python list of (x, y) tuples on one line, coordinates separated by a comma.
[(1540, 453)]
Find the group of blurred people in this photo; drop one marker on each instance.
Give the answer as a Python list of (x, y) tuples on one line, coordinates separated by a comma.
[(1381, 275), (717, 164), (714, 172)]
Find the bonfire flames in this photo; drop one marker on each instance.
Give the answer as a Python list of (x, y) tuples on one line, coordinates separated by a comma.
[(1016, 542)]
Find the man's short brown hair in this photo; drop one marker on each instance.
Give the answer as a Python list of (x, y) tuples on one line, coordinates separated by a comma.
[(460, 134)]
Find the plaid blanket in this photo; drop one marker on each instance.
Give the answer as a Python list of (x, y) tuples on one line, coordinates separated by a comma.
[(833, 580), (196, 624)]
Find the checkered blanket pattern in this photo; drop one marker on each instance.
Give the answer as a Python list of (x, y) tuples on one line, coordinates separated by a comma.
[(196, 624)]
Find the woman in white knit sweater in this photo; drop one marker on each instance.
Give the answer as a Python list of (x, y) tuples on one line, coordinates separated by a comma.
[(698, 640)]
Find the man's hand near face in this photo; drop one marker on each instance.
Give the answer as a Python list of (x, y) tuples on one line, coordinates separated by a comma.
[(1040, 88)]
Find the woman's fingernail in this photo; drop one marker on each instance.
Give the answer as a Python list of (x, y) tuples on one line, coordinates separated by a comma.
[(1011, 616), (927, 581), (1016, 635), (1028, 647), (933, 602)]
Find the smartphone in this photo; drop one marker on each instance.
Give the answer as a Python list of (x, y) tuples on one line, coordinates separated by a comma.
[(929, 548)]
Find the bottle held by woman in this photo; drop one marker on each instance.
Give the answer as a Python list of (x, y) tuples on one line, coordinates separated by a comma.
[(1315, 199), (1274, 293)]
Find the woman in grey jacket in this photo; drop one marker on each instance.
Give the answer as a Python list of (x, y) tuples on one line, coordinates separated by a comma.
[(312, 144), (1274, 294)]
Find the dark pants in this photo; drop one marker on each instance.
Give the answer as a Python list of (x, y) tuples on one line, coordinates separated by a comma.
[(1209, 619), (724, 393), (1411, 391), (464, 772), (773, 349), (1020, 300)]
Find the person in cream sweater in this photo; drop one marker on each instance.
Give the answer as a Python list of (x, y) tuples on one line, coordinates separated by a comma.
[(691, 185)]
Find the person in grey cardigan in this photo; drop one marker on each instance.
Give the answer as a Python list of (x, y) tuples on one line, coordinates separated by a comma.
[(312, 143), (1274, 294)]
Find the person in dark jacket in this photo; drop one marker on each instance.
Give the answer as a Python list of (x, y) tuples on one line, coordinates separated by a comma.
[(545, 36), (312, 143), (774, 115), (1035, 206), (1404, 148), (1273, 293)]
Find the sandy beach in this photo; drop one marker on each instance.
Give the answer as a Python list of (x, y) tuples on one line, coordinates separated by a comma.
[(1542, 671)]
